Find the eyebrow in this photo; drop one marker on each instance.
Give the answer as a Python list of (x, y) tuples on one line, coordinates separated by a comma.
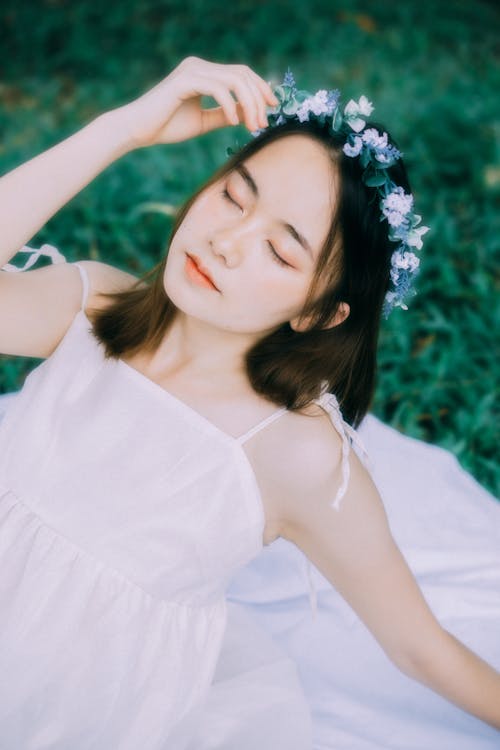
[(243, 171)]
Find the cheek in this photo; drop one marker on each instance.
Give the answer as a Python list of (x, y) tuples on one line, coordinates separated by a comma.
[(269, 300), (275, 286)]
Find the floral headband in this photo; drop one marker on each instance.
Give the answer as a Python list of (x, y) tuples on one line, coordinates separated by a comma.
[(376, 156)]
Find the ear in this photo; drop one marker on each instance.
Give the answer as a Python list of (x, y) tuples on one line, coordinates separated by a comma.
[(339, 317)]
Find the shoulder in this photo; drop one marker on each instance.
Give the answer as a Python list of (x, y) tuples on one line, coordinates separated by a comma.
[(300, 462), (104, 278), (297, 454)]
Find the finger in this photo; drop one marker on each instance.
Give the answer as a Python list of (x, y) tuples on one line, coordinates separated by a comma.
[(259, 118), (246, 96), (252, 80), (265, 89), (220, 93)]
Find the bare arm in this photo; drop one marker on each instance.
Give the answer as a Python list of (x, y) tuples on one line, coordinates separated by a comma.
[(33, 192), (169, 112), (457, 673), (355, 550)]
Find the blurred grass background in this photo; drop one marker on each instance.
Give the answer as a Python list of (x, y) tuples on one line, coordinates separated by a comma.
[(431, 70)]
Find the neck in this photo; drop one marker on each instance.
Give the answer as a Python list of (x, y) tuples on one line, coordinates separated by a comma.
[(211, 356)]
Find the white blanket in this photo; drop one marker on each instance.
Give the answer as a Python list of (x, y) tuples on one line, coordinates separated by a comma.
[(279, 669), (448, 528)]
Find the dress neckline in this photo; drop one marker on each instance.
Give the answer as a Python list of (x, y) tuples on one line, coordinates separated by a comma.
[(188, 412), (191, 413)]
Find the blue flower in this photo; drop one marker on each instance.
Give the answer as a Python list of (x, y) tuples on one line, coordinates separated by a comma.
[(333, 99), (289, 80)]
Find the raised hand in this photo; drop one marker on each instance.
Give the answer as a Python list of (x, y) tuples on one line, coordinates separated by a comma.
[(171, 111)]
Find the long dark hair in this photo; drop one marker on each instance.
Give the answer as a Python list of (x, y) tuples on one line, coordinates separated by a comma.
[(287, 366)]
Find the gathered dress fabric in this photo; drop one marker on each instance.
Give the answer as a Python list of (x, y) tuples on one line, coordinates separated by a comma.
[(124, 515)]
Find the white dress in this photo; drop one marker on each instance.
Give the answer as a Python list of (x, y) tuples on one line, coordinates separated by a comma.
[(124, 514)]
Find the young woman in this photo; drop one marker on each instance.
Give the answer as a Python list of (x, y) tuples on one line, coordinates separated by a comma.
[(183, 420)]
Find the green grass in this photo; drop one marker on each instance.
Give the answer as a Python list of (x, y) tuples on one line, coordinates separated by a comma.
[(431, 70)]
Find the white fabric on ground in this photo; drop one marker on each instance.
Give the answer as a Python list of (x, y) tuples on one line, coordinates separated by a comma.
[(448, 528)]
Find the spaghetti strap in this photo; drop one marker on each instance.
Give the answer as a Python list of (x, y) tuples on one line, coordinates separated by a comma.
[(329, 403), (56, 257), (349, 436), (253, 430), (49, 250), (86, 284)]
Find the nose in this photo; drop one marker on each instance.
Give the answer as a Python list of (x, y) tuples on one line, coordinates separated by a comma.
[(227, 247), (232, 243)]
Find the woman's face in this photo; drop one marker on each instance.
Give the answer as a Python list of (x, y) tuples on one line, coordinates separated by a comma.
[(231, 236)]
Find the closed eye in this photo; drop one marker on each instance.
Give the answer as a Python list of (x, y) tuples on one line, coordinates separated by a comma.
[(273, 253)]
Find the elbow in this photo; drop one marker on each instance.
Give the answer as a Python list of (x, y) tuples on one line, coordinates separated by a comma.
[(409, 664), (419, 660)]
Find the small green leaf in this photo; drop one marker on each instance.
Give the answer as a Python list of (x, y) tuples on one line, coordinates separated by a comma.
[(364, 157), (375, 179), (282, 92), (291, 107), (337, 120), (302, 95)]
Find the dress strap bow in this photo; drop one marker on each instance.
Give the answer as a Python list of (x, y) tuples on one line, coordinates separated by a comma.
[(49, 250), (349, 436)]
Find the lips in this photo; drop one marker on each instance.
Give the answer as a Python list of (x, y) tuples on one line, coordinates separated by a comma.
[(201, 269)]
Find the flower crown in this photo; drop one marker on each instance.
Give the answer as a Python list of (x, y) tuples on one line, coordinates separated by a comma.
[(376, 156)]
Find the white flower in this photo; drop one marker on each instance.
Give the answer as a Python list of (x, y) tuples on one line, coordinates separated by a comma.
[(304, 110), (396, 259), (415, 235), (394, 276), (352, 109), (408, 261), (357, 124), (365, 107), (318, 103), (303, 114), (355, 148), (398, 201), (414, 262), (394, 218), (373, 138)]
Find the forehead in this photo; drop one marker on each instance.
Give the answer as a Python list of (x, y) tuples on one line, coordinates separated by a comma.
[(296, 182)]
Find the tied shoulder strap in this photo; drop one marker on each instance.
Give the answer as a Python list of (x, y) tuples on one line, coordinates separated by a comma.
[(56, 257), (349, 437), (49, 250)]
